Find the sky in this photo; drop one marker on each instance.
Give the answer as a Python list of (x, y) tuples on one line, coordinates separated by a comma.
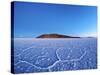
[(34, 19)]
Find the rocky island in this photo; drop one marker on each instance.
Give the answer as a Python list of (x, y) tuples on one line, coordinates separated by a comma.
[(55, 36)]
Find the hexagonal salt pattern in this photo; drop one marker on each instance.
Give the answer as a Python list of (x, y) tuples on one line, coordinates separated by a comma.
[(44, 55)]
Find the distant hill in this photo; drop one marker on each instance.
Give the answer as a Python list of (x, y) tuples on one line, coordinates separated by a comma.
[(55, 36)]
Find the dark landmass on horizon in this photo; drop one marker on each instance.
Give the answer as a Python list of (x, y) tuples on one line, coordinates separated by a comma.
[(55, 36)]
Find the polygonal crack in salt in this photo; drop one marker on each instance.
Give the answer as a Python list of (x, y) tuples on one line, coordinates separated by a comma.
[(25, 50), (68, 56), (67, 61), (57, 54), (59, 59), (49, 67), (29, 64)]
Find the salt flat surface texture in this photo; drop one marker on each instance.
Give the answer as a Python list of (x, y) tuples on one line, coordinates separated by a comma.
[(44, 55)]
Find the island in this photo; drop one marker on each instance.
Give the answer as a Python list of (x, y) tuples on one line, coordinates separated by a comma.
[(55, 36)]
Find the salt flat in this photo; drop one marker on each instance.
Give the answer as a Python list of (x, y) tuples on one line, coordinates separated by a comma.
[(44, 55)]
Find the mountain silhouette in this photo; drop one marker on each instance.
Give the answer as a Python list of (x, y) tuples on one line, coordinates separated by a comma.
[(55, 36)]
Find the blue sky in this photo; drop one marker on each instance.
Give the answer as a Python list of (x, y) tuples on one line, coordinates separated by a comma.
[(34, 19)]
